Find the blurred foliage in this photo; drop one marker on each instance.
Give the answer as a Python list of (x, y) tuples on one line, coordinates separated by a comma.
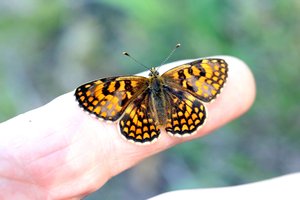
[(49, 48)]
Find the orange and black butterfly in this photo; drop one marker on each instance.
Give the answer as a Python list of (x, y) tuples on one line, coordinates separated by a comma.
[(143, 106)]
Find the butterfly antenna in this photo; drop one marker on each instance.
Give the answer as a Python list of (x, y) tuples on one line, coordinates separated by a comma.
[(135, 60), (170, 54)]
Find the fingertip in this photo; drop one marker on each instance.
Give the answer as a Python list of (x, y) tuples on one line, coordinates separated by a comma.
[(241, 83)]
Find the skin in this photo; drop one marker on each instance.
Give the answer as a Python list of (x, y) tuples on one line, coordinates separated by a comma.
[(285, 187), (57, 151)]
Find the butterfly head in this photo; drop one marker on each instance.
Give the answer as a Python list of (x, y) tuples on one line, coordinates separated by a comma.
[(153, 72)]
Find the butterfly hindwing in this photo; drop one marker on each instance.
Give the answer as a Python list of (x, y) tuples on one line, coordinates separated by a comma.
[(186, 113), (138, 124)]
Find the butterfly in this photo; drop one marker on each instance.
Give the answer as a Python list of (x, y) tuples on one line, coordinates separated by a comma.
[(143, 106)]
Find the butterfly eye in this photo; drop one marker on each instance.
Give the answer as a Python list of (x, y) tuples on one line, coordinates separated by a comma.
[(153, 73)]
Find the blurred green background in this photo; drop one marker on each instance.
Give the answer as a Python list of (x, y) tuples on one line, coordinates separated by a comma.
[(48, 48)]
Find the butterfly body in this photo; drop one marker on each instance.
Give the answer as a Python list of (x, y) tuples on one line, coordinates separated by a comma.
[(143, 106), (157, 101)]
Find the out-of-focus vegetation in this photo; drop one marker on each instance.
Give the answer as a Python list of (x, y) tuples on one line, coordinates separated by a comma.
[(49, 48)]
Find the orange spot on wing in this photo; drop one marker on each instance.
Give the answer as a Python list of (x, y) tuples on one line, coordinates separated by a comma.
[(185, 127), (97, 110), (146, 135)]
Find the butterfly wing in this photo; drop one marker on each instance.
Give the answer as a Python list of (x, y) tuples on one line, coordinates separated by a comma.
[(107, 98), (138, 124), (186, 113), (202, 78)]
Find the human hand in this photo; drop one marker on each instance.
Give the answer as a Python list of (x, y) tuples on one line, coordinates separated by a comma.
[(58, 151)]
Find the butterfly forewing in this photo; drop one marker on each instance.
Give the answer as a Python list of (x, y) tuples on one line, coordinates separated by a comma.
[(202, 78), (107, 98)]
